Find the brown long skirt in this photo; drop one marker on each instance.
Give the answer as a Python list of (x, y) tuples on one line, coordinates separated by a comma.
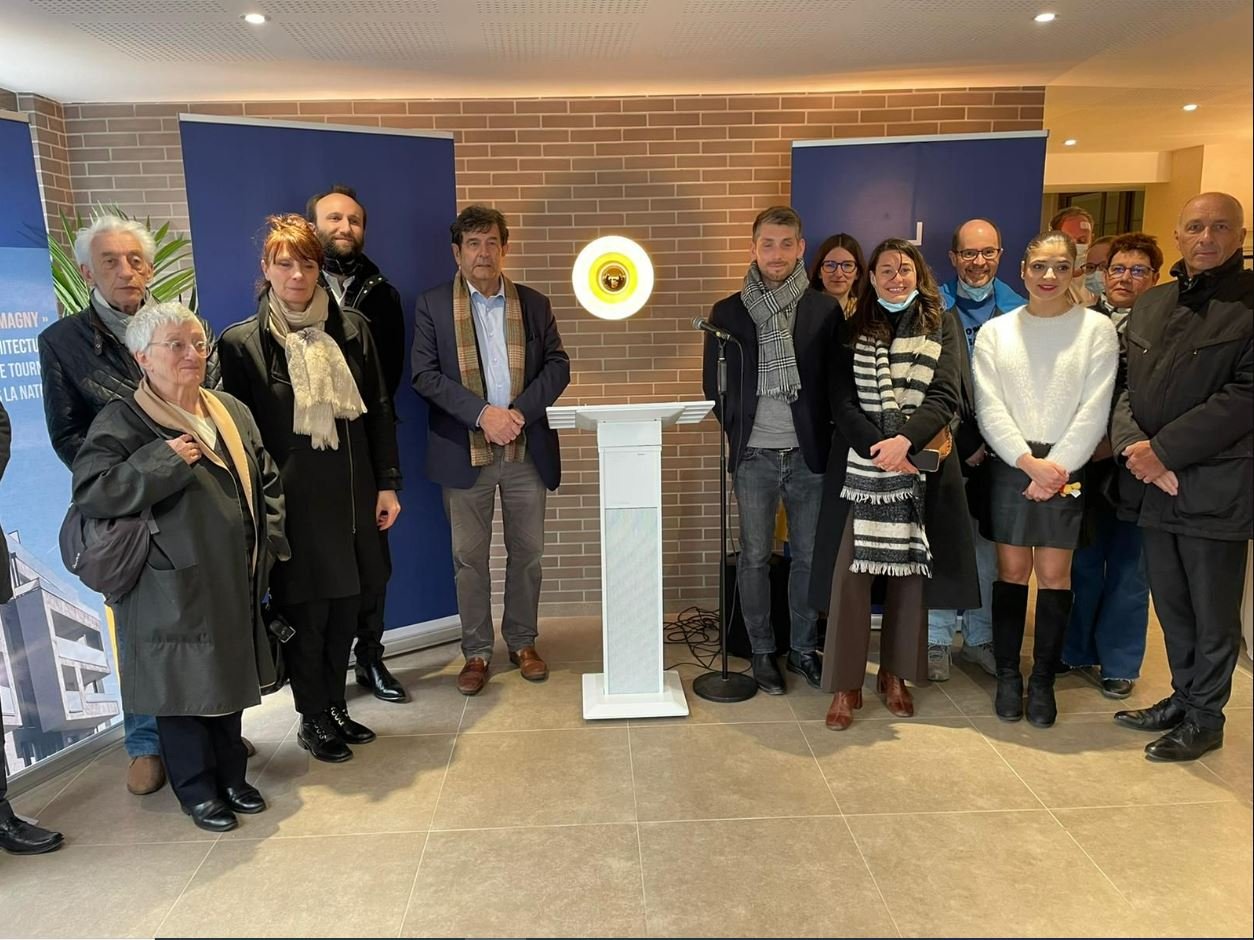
[(903, 633)]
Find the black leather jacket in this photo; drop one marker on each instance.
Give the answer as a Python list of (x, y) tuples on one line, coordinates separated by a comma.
[(84, 368)]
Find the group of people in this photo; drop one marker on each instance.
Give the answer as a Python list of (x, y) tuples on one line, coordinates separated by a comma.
[(958, 439), (954, 439), (267, 461)]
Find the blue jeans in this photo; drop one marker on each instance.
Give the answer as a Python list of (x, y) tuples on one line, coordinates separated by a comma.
[(141, 730), (977, 625), (1111, 610), (762, 478)]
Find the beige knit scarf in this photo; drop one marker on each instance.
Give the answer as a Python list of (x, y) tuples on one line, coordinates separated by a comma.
[(322, 384)]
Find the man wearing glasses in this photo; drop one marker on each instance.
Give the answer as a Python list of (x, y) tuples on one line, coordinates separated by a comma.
[(1109, 617), (976, 296)]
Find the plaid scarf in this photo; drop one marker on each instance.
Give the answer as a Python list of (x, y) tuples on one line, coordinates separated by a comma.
[(891, 381), (472, 372), (773, 312)]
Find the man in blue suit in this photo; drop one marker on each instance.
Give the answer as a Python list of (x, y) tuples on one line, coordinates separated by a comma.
[(488, 359), (976, 296)]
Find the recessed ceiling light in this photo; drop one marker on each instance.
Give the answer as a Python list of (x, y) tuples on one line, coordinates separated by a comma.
[(1189, 107), (1070, 142), (255, 18), (1045, 17)]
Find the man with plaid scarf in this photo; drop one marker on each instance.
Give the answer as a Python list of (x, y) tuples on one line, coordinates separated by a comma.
[(778, 425), (488, 359)]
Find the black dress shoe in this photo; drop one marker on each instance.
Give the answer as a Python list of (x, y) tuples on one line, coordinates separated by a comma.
[(1186, 741), (809, 665), (1116, 688), (19, 837), (375, 677), (352, 732), (1163, 716), (212, 816), (770, 680), (318, 735), (245, 799)]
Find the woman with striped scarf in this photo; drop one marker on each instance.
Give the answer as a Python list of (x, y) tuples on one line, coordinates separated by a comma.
[(894, 395)]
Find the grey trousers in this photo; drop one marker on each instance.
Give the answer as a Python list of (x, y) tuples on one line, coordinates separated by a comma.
[(470, 513)]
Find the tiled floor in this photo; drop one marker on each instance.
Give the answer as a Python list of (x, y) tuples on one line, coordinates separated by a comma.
[(507, 815)]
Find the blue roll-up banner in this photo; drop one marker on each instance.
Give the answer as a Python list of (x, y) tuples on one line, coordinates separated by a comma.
[(237, 172), (57, 678), (921, 189)]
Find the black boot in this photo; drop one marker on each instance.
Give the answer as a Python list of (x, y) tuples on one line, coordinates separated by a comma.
[(318, 735), (352, 732), (770, 680), (1053, 610), (374, 675), (1010, 609)]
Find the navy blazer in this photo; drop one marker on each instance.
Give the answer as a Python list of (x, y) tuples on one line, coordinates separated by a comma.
[(454, 409), (818, 320)]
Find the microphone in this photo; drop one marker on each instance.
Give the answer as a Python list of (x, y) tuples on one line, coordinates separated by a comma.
[(708, 327)]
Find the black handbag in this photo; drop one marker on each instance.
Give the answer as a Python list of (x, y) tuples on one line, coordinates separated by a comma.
[(279, 631)]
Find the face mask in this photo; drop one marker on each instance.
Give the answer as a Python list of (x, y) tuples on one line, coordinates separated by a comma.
[(1096, 283), (978, 294), (892, 307)]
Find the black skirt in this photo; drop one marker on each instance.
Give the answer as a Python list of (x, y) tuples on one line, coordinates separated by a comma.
[(1010, 518)]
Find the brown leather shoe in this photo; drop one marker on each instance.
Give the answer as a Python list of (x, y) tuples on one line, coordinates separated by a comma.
[(840, 715), (896, 695), (473, 677), (529, 663), (145, 775)]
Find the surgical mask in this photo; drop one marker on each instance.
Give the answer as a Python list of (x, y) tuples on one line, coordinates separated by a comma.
[(1096, 283), (978, 294), (893, 307)]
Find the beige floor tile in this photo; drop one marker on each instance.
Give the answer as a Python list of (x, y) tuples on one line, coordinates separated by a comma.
[(1188, 869), (810, 704), (989, 874), (537, 778), (1234, 762), (434, 707), (560, 640), (273, 719), (761, 707), (94, 890), (915, 767), (1088, 760), (390, 785), (332, 886), (759, 878), (565, 881), (510, 703), (727, 771)]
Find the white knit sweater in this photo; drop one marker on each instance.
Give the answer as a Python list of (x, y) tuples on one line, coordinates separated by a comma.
[(1047, 380)]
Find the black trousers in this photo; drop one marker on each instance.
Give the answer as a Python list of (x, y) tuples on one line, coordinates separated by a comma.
[(6, 811), (317, 656), (369, 646), (202, 756), (1197, 585)]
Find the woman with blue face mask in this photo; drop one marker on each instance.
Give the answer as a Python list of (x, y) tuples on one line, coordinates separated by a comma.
[(1043, 380), (893, 489), (1094, 268)]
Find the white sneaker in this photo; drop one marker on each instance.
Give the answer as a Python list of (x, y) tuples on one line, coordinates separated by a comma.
[(938, 663), (981, 655)]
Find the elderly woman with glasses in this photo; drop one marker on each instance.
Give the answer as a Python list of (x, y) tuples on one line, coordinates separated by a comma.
[(193, 650), (839, 270)]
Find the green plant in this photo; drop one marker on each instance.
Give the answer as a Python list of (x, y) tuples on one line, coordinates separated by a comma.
[(173, 272)]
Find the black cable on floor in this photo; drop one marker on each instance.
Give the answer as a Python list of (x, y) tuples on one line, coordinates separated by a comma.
[(696, 628)]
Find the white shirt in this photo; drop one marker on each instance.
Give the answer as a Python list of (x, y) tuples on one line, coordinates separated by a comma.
[(1048, 380)]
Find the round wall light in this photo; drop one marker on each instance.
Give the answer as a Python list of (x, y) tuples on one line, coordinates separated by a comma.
[(612, 277)]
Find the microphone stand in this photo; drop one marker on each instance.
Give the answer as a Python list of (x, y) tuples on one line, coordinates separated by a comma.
[(723, 686)]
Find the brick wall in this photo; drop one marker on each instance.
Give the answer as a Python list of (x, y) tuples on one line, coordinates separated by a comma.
[(683, 175)]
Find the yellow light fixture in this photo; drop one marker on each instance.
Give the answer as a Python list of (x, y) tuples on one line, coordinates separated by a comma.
[(612, 277)]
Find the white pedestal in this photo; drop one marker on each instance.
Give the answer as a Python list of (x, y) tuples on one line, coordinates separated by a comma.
[(629, 440)]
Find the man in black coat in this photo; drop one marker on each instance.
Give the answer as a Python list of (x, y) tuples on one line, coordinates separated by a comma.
[(778, 423), (1183, 430), (86, 365), (17, 836), (355, 281), (488, 359)]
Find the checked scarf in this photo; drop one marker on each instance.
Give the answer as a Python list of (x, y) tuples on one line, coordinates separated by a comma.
[(773, 312)]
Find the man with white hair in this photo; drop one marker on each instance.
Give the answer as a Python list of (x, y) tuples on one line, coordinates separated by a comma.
[(86, 365)]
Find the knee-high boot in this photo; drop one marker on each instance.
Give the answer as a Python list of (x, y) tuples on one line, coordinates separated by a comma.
[(1010, 610), (1053, 610)]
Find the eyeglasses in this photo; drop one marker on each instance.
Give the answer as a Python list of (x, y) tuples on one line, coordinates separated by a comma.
[(1090, 267), (831, 267), (988, 254), (179, 348), (1138, 272)]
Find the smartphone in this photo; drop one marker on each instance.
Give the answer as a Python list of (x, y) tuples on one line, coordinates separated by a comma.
[(926, 460)]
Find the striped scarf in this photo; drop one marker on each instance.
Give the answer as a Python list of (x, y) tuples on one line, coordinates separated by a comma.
[(891, 381), (468, 363), (773, 312)]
